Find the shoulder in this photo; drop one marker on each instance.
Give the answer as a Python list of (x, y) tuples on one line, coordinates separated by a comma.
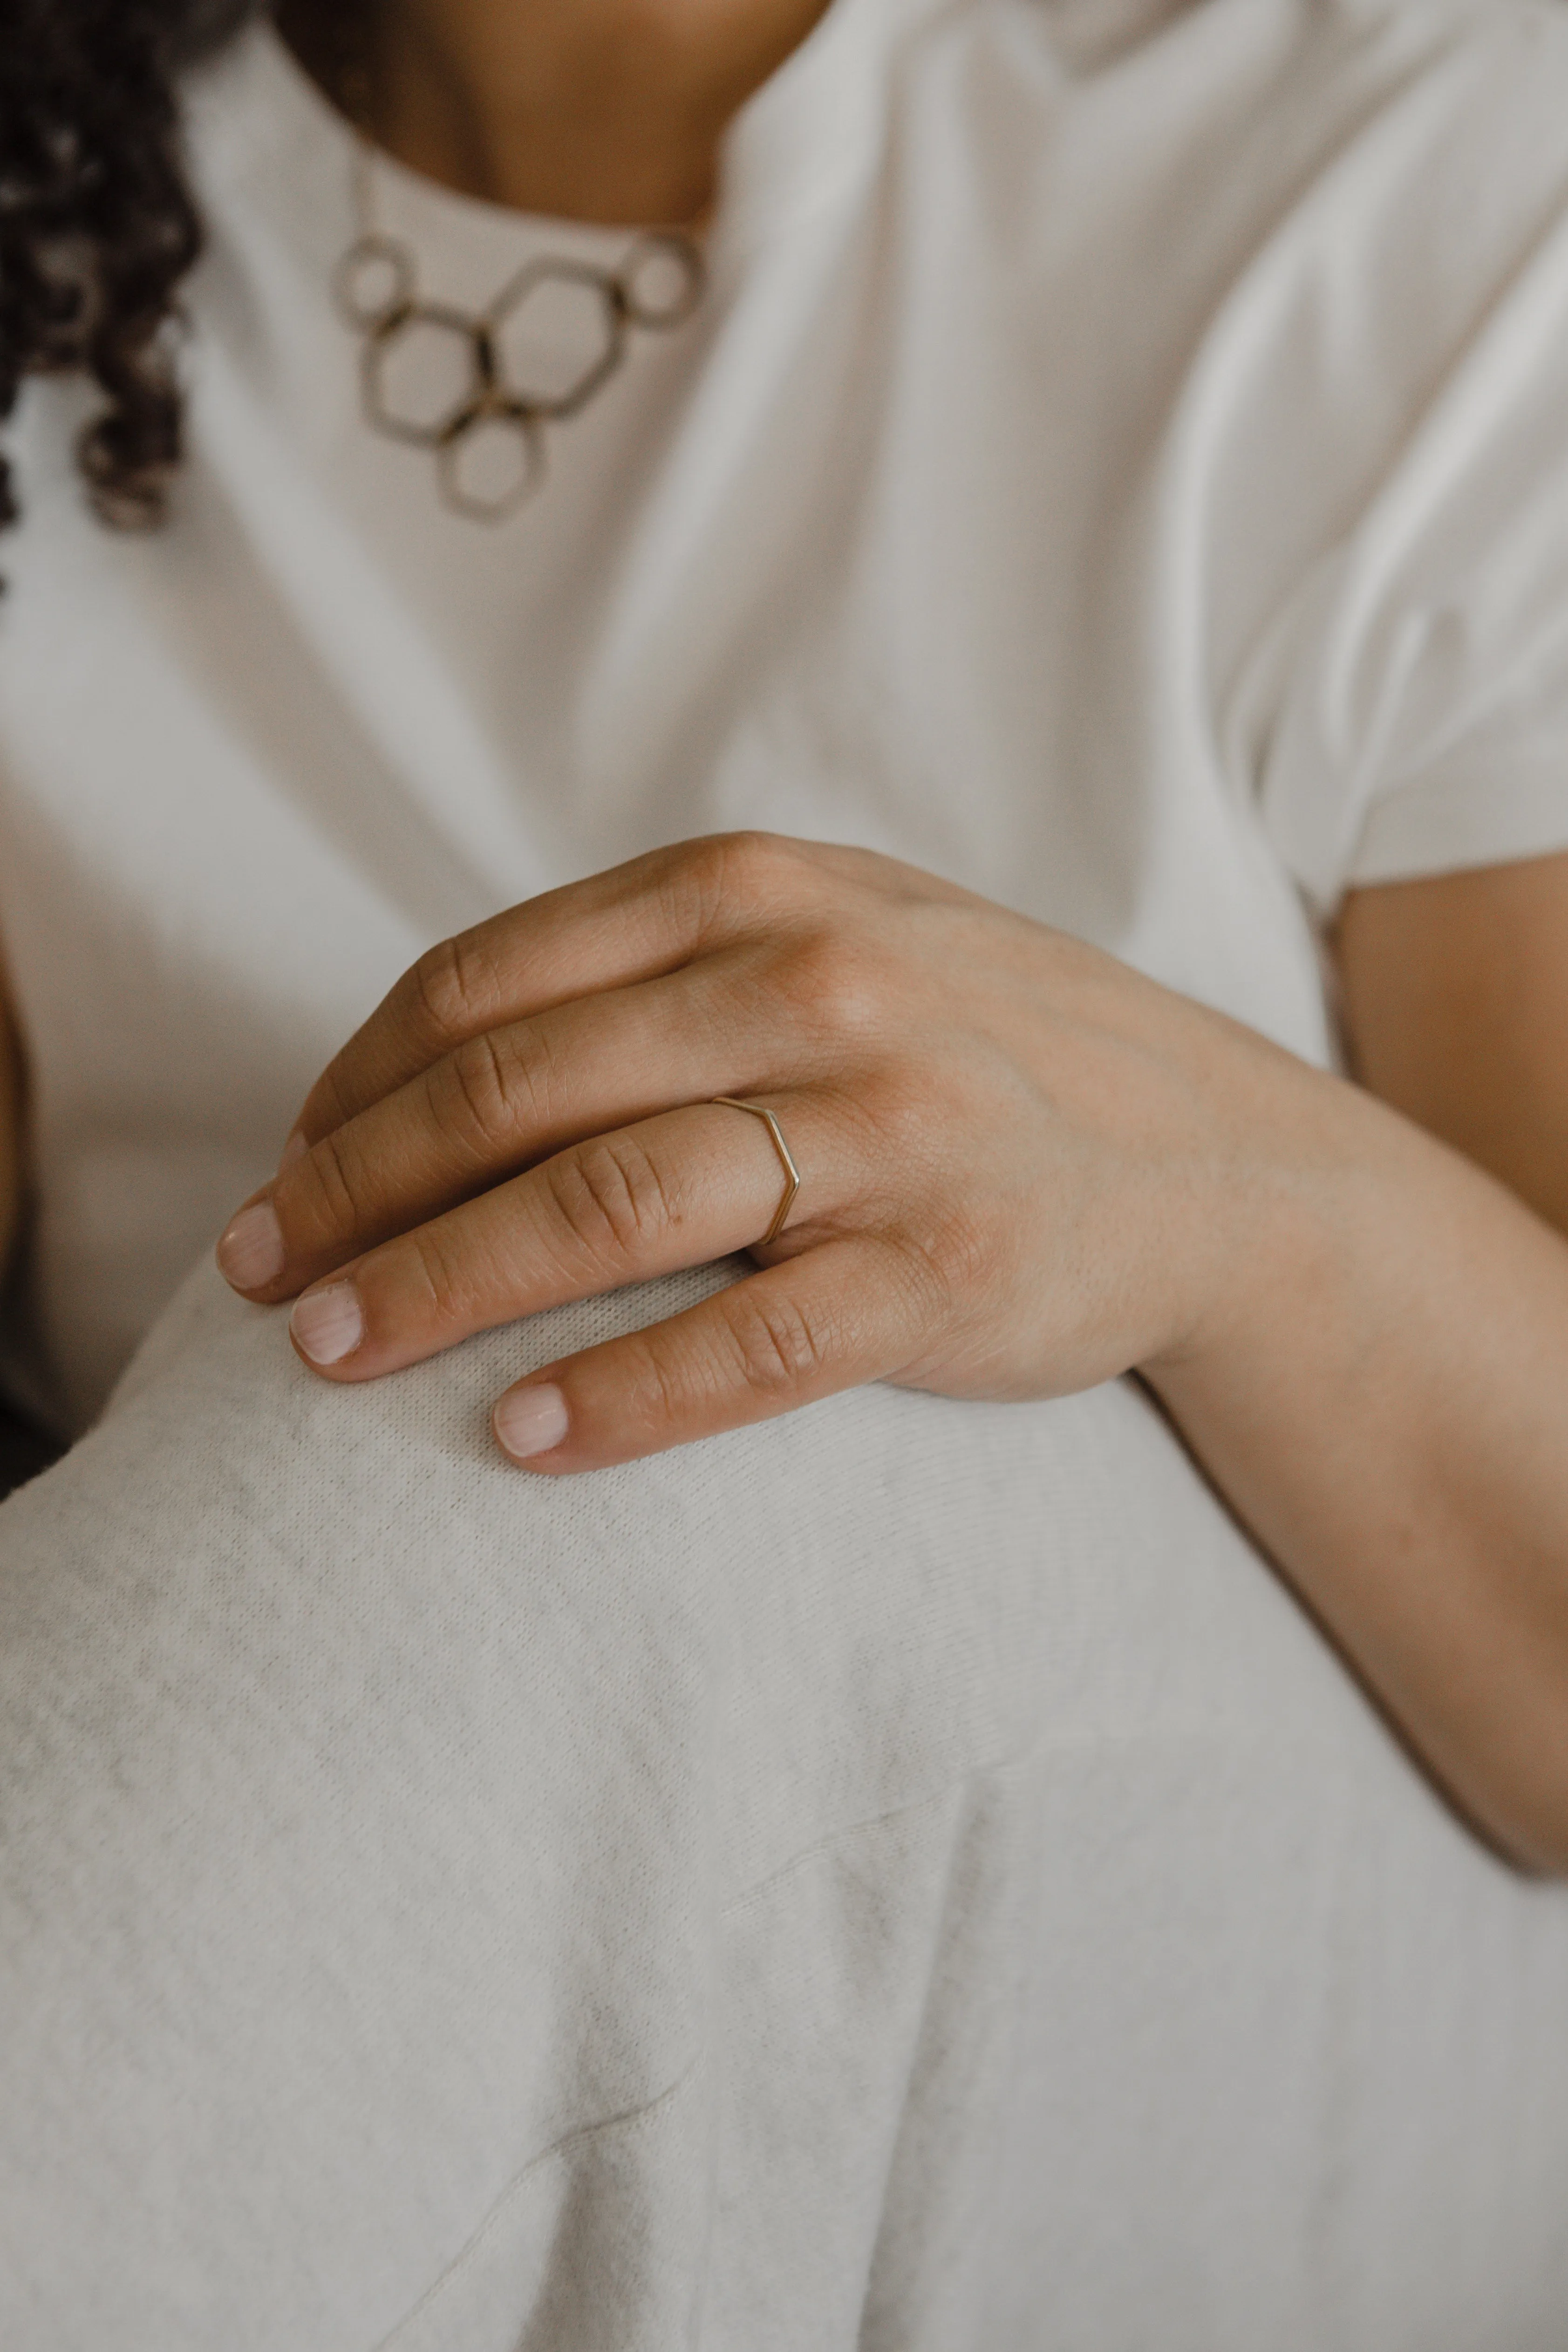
[(1092, 37), (1307, 73), (1189, 134), (1319, 202)]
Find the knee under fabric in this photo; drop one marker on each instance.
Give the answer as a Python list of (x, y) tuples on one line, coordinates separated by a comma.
[(896, 1877)]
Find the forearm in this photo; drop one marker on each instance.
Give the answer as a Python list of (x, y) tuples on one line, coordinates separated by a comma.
[(1027, 1168), (1382, 1396)]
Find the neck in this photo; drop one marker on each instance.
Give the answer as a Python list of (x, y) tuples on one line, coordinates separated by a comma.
[(589, 109)]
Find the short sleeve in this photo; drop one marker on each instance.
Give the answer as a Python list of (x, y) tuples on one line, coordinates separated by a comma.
[(1406, 709)]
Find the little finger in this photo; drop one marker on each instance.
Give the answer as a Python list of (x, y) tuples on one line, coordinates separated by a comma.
[(852, 1310)]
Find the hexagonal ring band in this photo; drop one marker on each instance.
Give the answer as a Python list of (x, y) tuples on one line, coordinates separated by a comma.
[(785, 1159)]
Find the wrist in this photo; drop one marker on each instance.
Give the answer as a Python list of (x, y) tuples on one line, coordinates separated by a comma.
[(1297, 1191)]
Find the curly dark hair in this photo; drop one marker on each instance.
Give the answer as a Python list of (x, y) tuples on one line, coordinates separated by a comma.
[(97, 225)]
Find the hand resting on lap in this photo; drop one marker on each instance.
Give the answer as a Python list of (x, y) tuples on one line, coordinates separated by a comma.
[(1025, 1170), (1012, 1146)]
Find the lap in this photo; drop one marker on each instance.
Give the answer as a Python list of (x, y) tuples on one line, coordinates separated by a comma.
[(447, 1907)]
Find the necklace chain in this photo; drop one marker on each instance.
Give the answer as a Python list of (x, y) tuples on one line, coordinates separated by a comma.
[(485, 399)]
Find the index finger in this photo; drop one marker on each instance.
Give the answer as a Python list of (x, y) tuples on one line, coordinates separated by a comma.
[(634, 922)]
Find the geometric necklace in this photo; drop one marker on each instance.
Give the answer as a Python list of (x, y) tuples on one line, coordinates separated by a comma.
[(479, 387)]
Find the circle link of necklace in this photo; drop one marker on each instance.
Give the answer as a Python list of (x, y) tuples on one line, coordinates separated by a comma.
[(485, 403)]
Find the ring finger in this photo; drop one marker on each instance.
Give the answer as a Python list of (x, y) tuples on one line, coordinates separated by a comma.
[(497, 1103), (676, 1189)]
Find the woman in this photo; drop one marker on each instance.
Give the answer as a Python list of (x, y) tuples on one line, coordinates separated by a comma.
[(1062, 539)]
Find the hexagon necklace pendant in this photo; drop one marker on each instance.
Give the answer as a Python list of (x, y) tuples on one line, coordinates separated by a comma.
[(465, 384)]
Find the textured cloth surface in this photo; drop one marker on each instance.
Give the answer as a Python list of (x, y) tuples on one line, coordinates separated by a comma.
[(905, 1877), (1121, 463)]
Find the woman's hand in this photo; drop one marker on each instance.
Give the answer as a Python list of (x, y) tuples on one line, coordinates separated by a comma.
[(1024, 1168)]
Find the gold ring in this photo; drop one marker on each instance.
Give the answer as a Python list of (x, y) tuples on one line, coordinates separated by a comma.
[(791, 1173)]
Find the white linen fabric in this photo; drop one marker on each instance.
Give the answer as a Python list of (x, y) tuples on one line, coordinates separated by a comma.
[(902, 1878), (908, 1876), (1121, 463)]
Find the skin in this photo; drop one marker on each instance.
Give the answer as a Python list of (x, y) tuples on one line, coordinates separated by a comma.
[(589, 109), (1025, 1167)]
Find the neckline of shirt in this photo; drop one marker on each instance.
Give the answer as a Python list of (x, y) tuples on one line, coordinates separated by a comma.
[(809, 135)]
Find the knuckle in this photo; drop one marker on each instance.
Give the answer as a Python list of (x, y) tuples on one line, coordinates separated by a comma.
[(328, 1104), (611, 1195), (907, 1139), (323, 1193), (756, 864), (438, 1267), (452, 989), (486, 1096), (956, 1258), (727, 876), (670, 1380), (777, 1343), (946, 1265), (831, 981)]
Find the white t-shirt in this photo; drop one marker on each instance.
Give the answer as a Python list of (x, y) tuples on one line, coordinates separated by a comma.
[(1120, 461)]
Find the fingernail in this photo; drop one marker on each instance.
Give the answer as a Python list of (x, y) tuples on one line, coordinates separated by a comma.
[(529, 1421), (295, 1148), (328, 1324), (250, 1253)]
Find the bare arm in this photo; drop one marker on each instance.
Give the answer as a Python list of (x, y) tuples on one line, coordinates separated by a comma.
[(1457, 997), (1025, 1168), (1386, 1402)]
